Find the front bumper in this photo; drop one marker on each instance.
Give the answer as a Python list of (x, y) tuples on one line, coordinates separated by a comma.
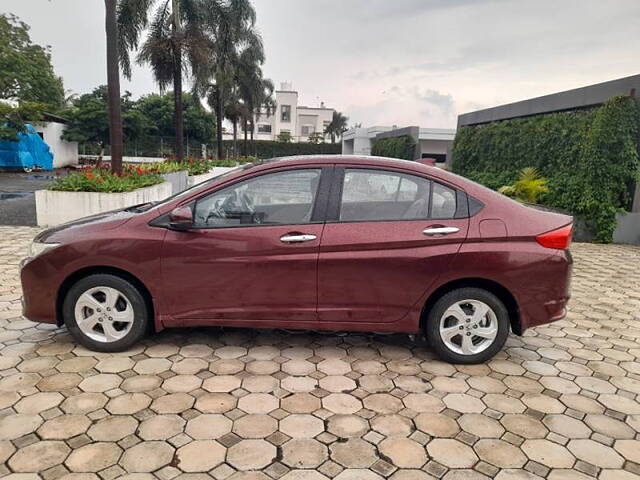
[(39, 290)]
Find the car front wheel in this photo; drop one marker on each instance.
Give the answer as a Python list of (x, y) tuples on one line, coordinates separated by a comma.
[(105, 313), (467, 325)]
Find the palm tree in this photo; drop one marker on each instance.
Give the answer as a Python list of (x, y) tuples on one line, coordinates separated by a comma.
[(113, 81), (231, 29), (176, 40), (260, 100), (255, 91), (337, 126), (235, 111)]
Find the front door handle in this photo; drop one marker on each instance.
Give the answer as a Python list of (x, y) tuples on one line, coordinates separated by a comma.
[(431, 231), (297, 238)]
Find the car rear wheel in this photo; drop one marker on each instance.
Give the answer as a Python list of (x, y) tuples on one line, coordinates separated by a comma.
[(105, 313), (467, 325)]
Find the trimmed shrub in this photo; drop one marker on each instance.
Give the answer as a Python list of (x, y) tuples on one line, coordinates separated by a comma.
[(403, 147), (590, 158), (274, 149)]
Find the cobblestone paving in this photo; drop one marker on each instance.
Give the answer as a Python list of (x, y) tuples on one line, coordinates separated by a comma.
[(559, 403)]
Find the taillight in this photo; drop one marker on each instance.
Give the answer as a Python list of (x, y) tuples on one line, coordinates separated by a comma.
[(560, 238)]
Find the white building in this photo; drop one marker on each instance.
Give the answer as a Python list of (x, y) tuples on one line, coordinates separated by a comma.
[(433, 143), (298, 120), (51, 130)]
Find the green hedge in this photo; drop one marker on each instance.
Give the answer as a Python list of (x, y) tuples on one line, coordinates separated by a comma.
[(589, 156), (395, 147), (273, 149)]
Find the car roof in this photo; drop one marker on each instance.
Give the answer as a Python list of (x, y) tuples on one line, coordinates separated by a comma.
[(365, 160)]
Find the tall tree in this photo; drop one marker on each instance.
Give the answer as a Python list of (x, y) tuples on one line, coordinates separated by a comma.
[(235, 111), (113, 81), (337, 126), (26, 72), (255, 91), (231, 28), (27, 79), (175, 44)]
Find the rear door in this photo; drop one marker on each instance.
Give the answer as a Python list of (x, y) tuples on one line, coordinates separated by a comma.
[(388, 236)]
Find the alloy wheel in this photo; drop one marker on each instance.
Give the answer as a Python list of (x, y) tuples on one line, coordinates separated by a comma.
[(104, 314), (468, 327)]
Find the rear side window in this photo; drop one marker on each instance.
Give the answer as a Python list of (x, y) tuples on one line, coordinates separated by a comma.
[(379, 195), (443, 203), (370, 195)]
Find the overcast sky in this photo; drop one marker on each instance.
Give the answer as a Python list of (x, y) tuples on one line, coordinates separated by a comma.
[(390, 62)]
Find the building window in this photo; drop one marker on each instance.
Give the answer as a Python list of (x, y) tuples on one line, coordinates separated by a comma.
[(264, 128), (306, 130), (285, 113)]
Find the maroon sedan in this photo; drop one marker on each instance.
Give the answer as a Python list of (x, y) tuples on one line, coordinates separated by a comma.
[(336, 243)]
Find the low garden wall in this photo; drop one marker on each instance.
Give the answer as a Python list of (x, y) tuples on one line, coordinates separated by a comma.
[(215, 172), (179, 180), (56, 207), (627, 228)]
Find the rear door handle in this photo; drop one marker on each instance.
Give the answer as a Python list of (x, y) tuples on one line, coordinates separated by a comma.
[(431, 231), (297, 238)]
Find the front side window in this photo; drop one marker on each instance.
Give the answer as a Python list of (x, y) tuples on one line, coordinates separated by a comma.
[(285, 113), (281, 198), (381, 195), (264, 128)]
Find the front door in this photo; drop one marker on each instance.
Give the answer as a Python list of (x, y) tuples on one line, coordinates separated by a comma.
[(252, 254), (391, 237)]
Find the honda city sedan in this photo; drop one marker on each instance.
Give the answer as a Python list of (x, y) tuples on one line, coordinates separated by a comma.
[(323, 243)]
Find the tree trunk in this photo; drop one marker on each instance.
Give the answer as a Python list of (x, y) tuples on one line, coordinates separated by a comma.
[(235, 138), (245, 146), (113, 82), (219, 110), (177, 81), (253, 142), (178, 112)]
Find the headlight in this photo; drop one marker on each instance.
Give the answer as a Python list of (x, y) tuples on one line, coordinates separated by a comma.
[(36, 248)]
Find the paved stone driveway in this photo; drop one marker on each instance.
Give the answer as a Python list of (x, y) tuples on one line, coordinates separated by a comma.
[(560, 403)]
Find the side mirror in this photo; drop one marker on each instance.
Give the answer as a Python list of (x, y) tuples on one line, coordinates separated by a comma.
[(181, 218)]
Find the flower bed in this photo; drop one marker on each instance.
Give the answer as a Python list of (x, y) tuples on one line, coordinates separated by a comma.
[(97, 190), (99, 179)]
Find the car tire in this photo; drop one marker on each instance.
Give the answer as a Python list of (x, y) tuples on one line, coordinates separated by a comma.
[(467, 326), (105, 313)]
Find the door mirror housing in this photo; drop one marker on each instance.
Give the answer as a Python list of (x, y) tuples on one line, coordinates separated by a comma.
[(181, 218)]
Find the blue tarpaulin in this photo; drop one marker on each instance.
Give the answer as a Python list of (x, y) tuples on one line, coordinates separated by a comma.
[(29, 152)]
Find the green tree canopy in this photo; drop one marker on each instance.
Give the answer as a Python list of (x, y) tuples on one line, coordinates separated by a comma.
[(89, 122), (159, 110), (26, 73)]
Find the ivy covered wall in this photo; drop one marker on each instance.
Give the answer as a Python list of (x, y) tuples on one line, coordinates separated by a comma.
[(403, 147), (590, 158)]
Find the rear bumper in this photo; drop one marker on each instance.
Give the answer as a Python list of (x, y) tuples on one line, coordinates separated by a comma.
[(546, 301)]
